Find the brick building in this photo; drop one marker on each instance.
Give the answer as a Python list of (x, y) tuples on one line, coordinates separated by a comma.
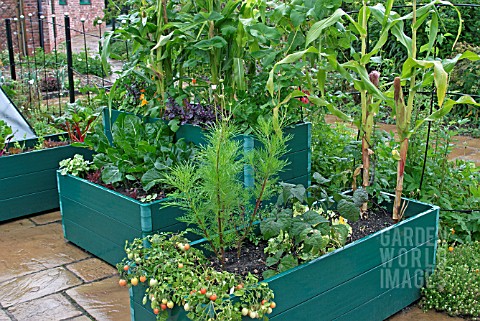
[(33, 32)]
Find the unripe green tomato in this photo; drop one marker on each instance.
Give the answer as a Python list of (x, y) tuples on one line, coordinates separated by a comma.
[(245, 311)]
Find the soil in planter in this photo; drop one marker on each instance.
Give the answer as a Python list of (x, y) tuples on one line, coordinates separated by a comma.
[(135, 192), (252, 258), (377, 218), (46, 144)]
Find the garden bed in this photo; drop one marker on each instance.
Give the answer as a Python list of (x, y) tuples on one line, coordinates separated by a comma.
[(27, 179), (369, 279), (100, 220)]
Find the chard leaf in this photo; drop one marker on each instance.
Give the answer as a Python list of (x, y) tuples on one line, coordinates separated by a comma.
[(111, 174)]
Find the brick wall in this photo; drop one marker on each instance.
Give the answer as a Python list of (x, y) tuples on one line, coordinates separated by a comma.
[(8, 9), (77, 11), (31, 26)]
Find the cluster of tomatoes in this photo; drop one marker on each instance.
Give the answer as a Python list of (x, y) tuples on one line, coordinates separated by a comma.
[(134, 280)]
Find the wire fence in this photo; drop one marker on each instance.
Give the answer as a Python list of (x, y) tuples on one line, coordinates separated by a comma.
[(42, 75)]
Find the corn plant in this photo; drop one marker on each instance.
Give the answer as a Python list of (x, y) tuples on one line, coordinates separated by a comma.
[(355, 70), (367, 84), (418, 73)]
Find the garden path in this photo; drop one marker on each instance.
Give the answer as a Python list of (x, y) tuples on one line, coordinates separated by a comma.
[(464, 147)]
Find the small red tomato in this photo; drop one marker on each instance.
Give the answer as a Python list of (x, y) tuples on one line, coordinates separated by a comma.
[(122, 282), (213, 297), (126, 267), (273, 305), (203, 290), (143, 278), (180, 265), (156, 311), (163, 306), (264, 301), (186, 247), (240, 286), (194, 81)]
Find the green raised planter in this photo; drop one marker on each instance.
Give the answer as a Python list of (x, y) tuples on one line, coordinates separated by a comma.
[(100, 220), (299, 147), (369, 279), (27, 180)]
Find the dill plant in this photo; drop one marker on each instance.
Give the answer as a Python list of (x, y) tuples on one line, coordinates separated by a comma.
[(211, 189)]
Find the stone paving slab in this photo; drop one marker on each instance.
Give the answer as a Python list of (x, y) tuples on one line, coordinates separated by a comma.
[(26, 248), (92, 269), (82, 318), (416, 314), (37, 285), (52, 308), (47, 218), (104, 300), (4, 316)]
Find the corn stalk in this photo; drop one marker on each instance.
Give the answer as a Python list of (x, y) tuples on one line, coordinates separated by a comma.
[(428, 69)]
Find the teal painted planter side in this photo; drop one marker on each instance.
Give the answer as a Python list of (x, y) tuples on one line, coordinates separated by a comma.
[(27, 180), (385, 263), (110, 216), (386, 302), (191, 134)]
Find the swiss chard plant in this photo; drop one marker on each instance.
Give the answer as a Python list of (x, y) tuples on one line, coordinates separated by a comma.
[(140, 155), (77, 120)]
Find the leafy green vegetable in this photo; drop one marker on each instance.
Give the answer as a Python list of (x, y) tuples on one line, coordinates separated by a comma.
[(140, 154)]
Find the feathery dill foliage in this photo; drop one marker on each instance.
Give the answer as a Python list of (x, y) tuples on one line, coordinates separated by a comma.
[(212, 192)]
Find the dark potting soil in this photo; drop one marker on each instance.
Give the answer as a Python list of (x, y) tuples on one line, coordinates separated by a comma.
[(252, 257), (135, 192), (46, 144), (376, 219)]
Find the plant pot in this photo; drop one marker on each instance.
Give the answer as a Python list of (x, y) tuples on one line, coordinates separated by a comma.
[(369, 279), (27, 180), (100, 220), (298, 155)]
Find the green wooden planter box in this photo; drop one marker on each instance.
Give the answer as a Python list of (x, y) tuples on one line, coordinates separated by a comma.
[(369, 279), (27, 180), (100, 220), (299, 147)]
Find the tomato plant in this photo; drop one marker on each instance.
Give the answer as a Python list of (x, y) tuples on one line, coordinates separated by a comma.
[(203, 292)]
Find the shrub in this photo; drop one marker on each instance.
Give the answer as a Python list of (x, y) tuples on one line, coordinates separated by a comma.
[(455, 285)]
